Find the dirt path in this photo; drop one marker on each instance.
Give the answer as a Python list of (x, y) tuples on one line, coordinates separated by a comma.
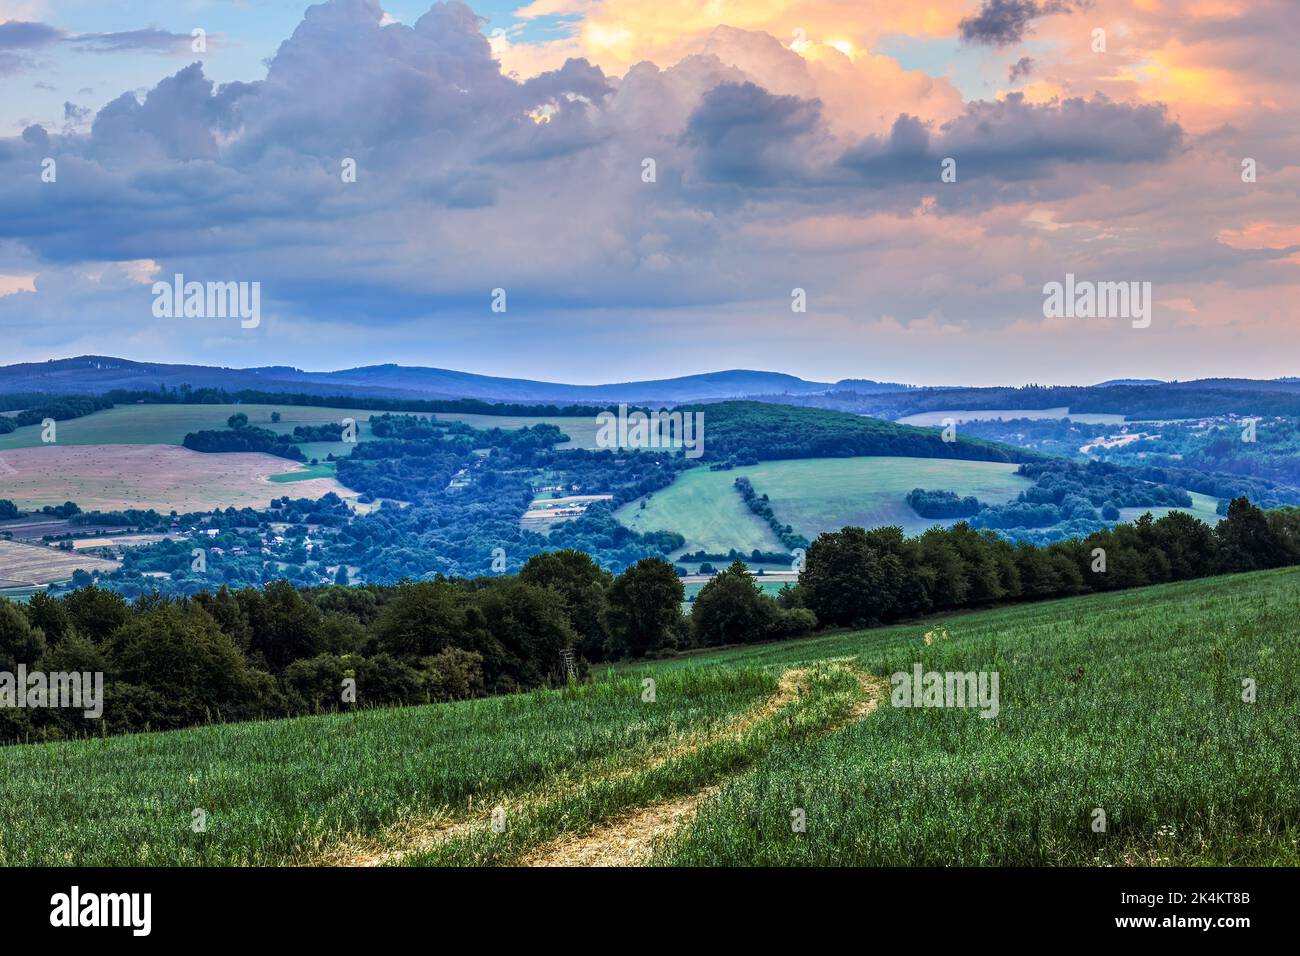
[(628, 840), (417, 835)]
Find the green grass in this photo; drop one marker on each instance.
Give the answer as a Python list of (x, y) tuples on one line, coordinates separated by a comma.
[(581, 430), (1202, 507), (1130, 703), (280, 791), (325, 469), (1127, 702), (768, 587), (813, 495), (168, 425)]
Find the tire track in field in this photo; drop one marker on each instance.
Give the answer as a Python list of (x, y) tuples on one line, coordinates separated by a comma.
[(628, 840), (417, 835)]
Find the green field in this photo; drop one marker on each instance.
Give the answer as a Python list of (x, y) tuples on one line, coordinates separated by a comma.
[(1128, 703), (1202, 507), (581, 431), (693, 588), (168, 424), (813, 495), (323, 470)]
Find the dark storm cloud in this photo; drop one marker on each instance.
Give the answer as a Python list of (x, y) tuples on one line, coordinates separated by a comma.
[(1012, 139), (1002, 22)]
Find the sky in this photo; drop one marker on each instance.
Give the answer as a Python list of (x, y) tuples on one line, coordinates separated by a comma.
[(604, 190)]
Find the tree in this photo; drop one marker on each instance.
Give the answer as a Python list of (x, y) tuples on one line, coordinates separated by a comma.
[(284, 626), (732, 609), (848, 580), (175, 667), (522, 628), (20, 643), (237, 420), (583, 584), (421, 619), (1246, 542), (644, 608)]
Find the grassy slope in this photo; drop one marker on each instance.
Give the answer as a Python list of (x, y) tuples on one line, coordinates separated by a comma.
[(1152, 730), (279, 791), (1127, 702), (168, 424), (813, 495), (1202, 507)]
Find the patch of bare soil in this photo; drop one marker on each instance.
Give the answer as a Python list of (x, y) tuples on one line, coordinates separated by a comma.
[(629, 840)]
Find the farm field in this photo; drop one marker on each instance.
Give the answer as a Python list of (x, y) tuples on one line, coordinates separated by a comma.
[(32, 564), (1203, 507), (581, 431), (168, 424), (1008, 414), (769, 586), (707, 510), (1129, 703), (812, 495), (163, 477)]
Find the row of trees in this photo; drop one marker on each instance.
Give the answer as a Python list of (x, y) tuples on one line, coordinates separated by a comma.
[(280, 650), (861, 578)]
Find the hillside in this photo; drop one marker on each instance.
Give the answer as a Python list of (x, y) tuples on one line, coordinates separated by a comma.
[(747, 432), (1128, 702)]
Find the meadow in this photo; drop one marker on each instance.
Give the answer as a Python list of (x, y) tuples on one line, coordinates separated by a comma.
[(813, 495), (1127, 703), (1203, 507), (169, 424)]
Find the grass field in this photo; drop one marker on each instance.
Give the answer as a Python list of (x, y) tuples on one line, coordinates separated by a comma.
[(813, 495), (1202, 507), (581, 431), (163, 477), (1128, 703), (168, 424)]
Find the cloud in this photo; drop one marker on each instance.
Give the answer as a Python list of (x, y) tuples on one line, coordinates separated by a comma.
[(1002, 22), (150, 40), (19, 39), (1012, 139), (775, 169), (1020, 69), (746, 136)]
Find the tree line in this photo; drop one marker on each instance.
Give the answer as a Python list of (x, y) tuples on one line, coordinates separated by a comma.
[(280, 650)]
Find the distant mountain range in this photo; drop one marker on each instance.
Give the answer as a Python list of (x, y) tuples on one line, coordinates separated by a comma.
[(97, 374)]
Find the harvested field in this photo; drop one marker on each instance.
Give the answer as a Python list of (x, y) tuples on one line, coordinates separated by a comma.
[(162, 477), (30, 564)]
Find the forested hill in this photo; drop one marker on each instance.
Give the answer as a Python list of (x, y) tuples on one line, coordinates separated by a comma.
[(741, 433)]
